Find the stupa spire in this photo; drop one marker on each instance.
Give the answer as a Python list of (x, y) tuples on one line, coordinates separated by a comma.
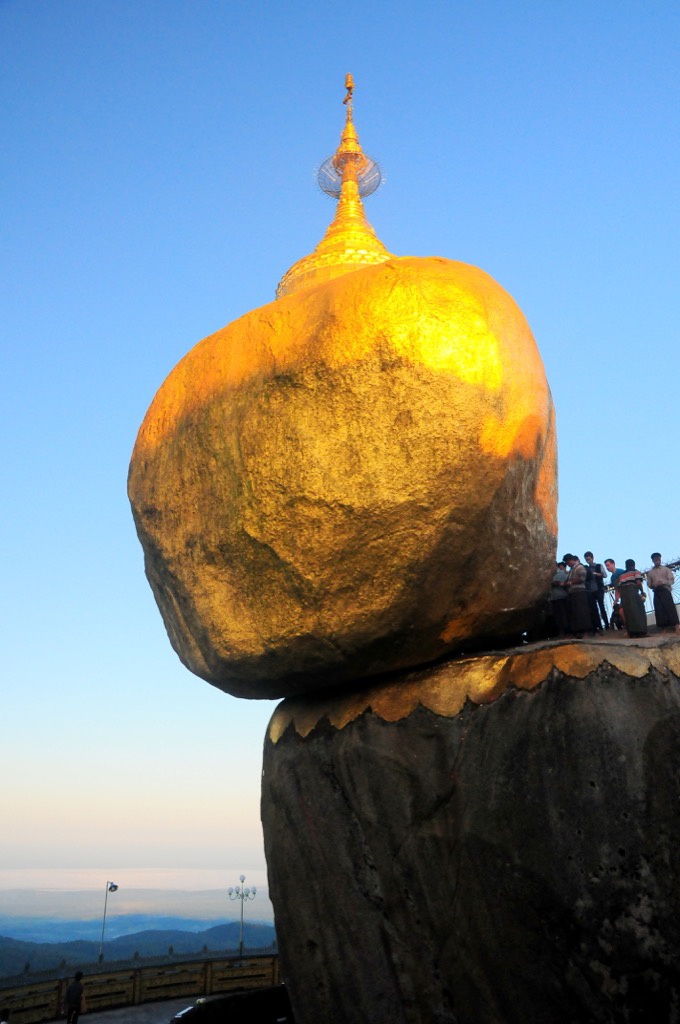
[(350, 242)]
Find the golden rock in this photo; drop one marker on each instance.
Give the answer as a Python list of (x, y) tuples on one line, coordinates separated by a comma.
[(353, 479), (357, 478)]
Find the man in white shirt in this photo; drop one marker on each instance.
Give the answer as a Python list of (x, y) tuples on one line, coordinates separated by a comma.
[(660, 581)]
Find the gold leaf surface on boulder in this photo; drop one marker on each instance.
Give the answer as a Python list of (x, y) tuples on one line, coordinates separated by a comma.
[(357, 478)]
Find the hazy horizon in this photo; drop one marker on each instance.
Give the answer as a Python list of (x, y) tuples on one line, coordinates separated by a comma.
[(202, 894)]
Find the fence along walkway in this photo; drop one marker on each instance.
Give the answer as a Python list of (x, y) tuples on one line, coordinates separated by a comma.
[(42, 1001)]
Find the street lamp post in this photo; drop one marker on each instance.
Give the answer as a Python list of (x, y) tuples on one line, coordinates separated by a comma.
[(110, 887), (242, 893)]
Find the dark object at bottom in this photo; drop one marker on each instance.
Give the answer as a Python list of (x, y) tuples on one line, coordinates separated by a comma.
[(517, 862), (261, 1006)]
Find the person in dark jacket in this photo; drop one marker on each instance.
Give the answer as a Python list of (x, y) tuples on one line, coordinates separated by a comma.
[(75, 999), (595, 574), (629, 584), (559, 600), (579, 609)]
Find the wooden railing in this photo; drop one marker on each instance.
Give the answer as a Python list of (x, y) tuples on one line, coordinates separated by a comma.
[(42, 1001)]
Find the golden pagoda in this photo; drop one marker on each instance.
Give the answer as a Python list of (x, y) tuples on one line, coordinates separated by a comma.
[(350, 242), (355, 479)]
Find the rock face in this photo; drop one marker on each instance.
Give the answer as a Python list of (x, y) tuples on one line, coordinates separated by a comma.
[(509, 862), (355, 479)]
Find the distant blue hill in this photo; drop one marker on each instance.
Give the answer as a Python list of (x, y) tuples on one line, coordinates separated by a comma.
[(50, 929), (19, 956)]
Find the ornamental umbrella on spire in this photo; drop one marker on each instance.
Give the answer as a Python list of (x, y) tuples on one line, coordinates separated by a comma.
[(350, 242)]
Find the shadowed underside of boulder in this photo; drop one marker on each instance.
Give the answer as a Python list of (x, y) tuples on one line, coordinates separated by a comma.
[(437, 860)]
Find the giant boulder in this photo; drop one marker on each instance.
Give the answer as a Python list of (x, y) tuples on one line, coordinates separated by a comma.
[(357, 478)]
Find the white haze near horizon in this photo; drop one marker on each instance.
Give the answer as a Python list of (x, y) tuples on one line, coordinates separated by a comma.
[(73, 894)]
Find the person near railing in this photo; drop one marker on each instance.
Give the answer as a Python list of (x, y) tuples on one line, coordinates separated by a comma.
[(595, 574), (75, 1002), (629, 585), (579, 609), (616, 620), (660, 581), (559, 599)]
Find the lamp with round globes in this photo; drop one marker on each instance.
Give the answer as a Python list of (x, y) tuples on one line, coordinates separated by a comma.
[(242, 893)]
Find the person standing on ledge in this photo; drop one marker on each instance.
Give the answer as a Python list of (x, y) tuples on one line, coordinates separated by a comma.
[(75, 999), (579, 609), (559, 600), (629, 584), (660, 581), (595, 574), (610, 566)]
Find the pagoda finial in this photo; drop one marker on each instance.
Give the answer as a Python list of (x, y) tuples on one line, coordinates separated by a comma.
[(350, 242)]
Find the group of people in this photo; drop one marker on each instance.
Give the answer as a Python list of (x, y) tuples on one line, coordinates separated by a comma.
[(577, 596)]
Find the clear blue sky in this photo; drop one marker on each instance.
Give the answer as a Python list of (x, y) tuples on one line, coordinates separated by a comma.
[(157, 181)]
